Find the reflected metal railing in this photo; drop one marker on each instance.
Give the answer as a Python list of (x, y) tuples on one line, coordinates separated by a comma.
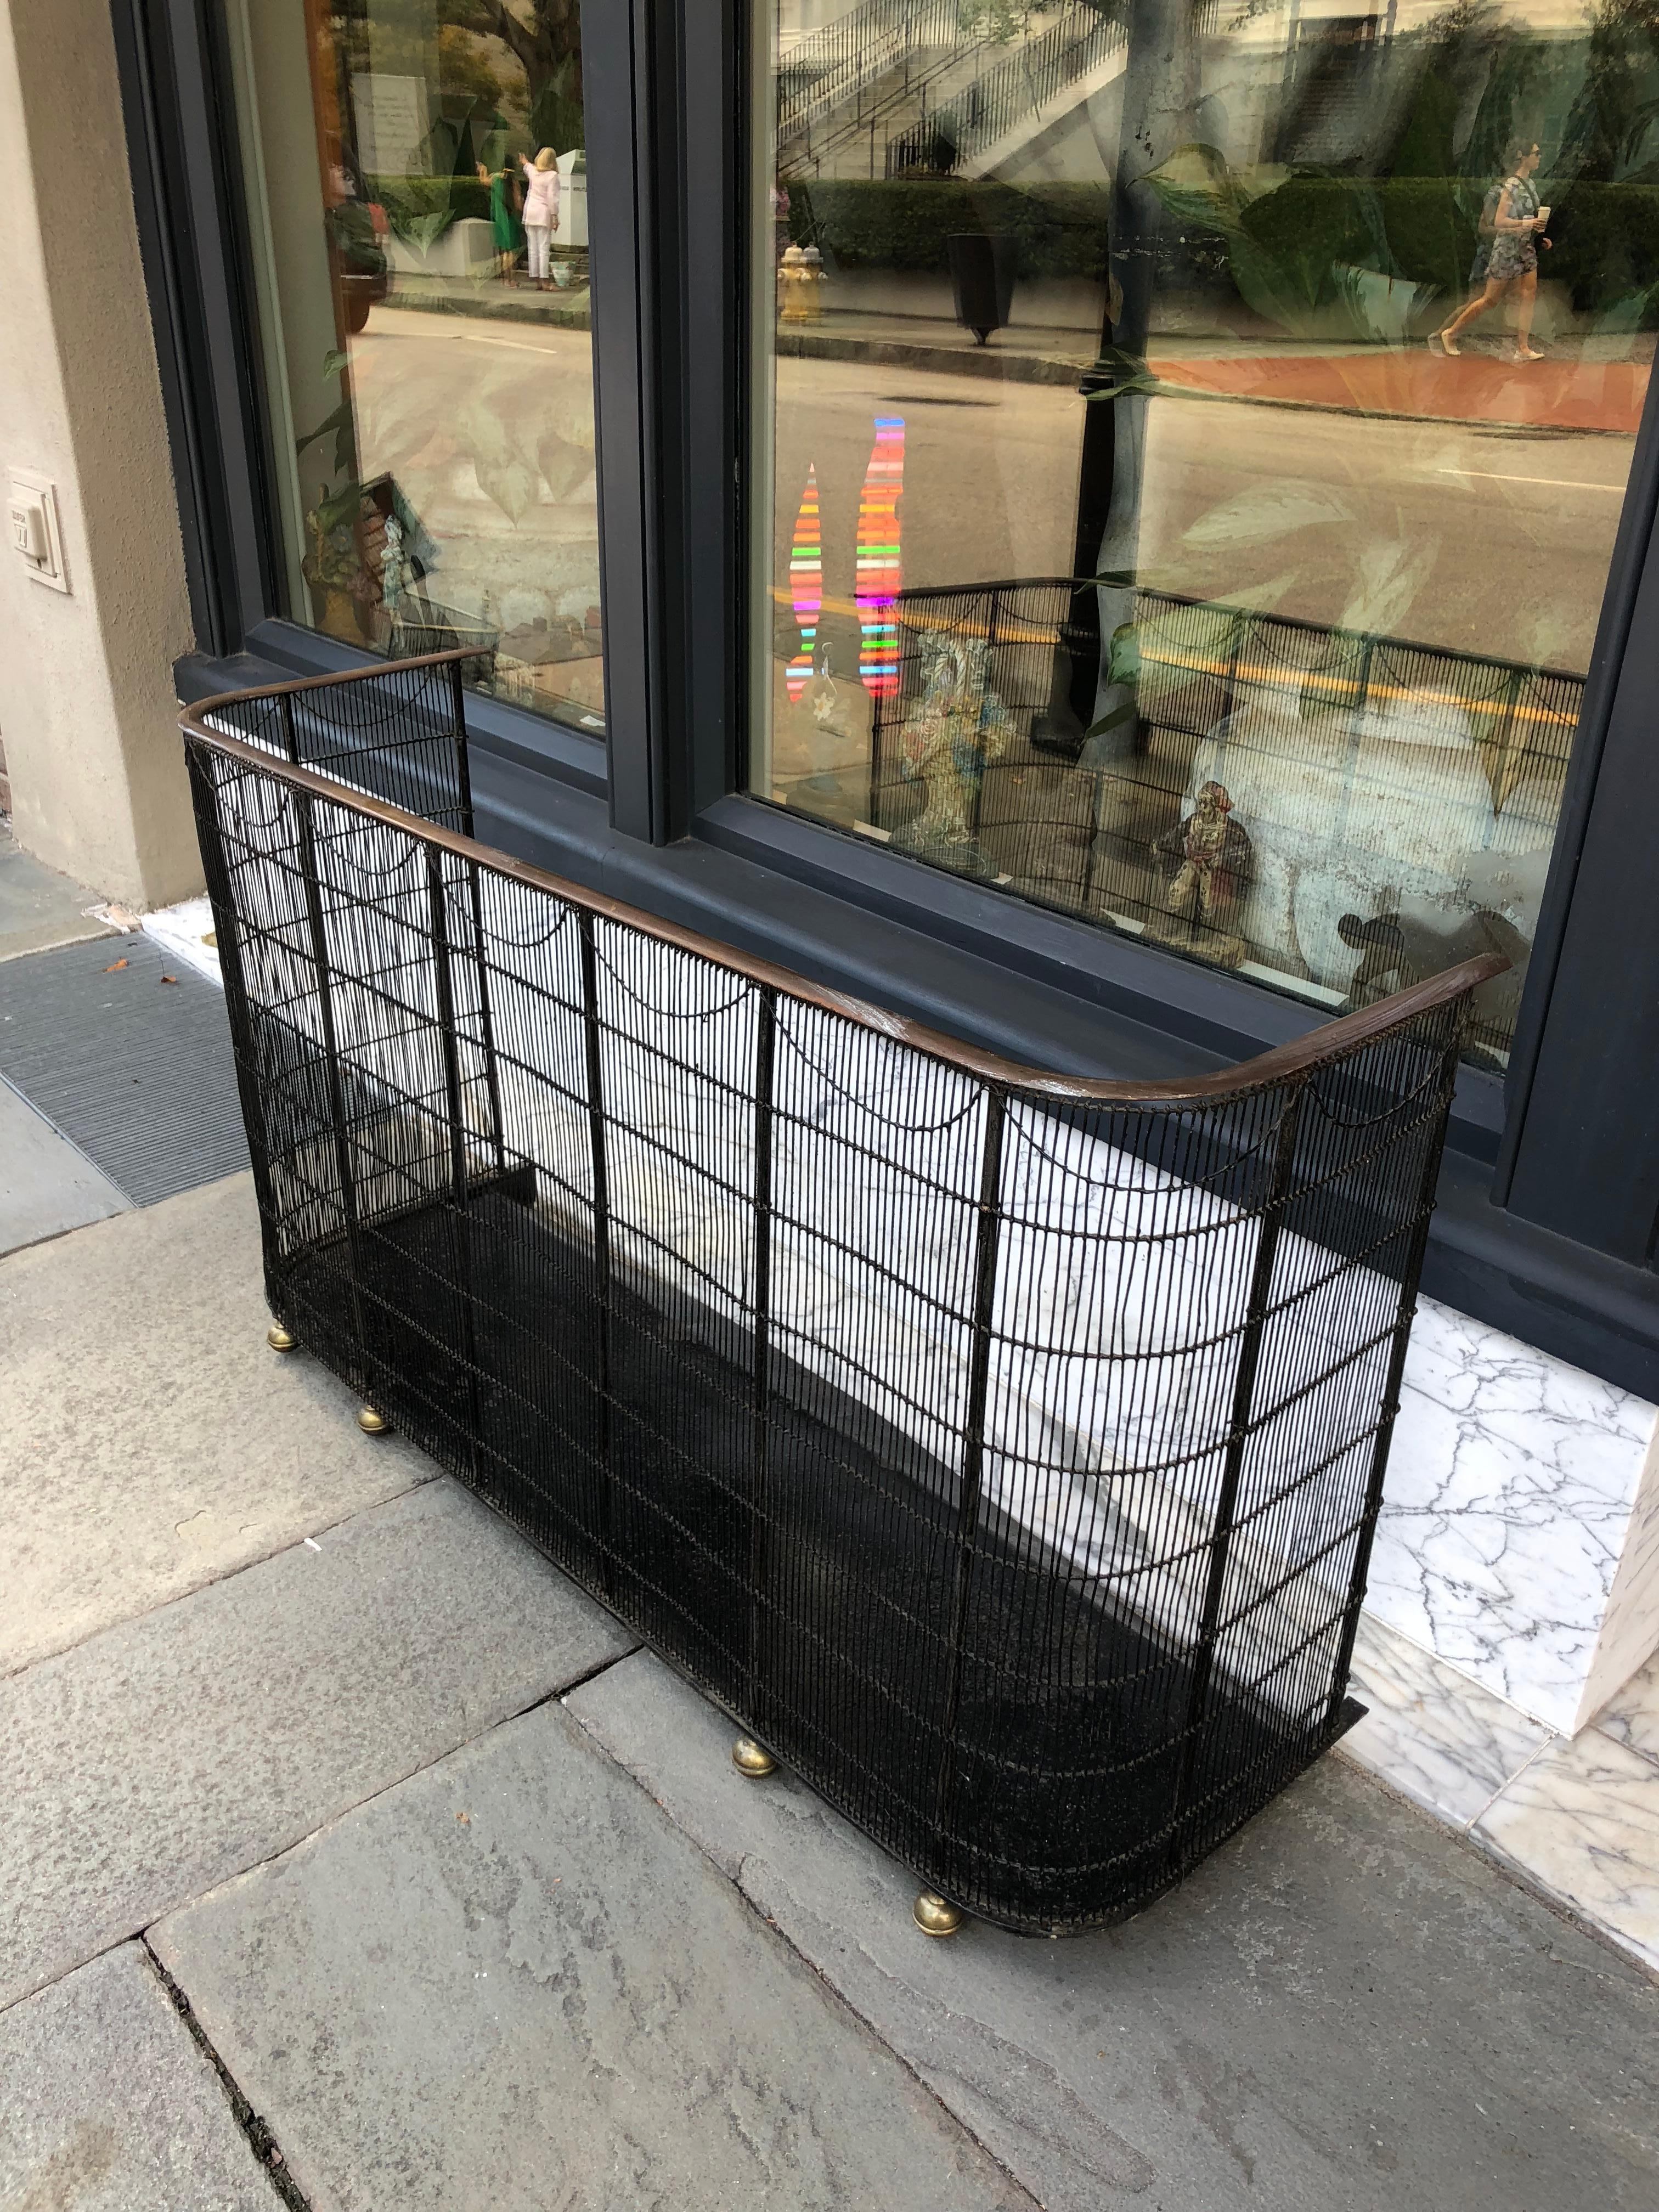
[(1019, 87), (821, 72), (1398, 800), (1002, 1448)]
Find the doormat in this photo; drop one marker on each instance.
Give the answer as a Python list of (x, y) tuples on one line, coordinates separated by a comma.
[(134, 1069)]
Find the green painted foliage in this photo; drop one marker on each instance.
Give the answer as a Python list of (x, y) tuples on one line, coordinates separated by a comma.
[(409, 201)]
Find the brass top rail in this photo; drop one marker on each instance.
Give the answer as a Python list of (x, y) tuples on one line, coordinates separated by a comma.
[(1328, 1042)]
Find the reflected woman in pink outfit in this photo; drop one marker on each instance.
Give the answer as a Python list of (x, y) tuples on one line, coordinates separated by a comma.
[(541, 214)]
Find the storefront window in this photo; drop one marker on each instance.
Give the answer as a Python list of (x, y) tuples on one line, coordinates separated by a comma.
[(1156, 527), (418, 195)]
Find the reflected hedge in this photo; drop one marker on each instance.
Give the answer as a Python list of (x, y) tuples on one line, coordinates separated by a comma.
[(1604, 249)]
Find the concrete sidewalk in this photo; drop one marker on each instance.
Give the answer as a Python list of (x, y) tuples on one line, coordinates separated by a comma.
[(1574, 388), (355, 1859), (39, 907)]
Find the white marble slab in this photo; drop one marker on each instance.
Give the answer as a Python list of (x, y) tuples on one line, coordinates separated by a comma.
[(1583, 1819), (1509, 1503), (1632, 1716), (1433, 1735), (1629, 1634), (183, 930)]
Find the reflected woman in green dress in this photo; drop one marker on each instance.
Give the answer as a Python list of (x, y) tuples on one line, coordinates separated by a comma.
[(505, 230)]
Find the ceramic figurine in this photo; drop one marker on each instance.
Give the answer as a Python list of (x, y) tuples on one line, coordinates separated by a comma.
[(391, 565), (1209, 862)]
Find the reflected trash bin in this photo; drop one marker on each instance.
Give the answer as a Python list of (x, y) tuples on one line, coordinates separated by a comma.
[(982, 278)]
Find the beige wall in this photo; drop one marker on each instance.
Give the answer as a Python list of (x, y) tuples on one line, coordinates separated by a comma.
[(86, 689)]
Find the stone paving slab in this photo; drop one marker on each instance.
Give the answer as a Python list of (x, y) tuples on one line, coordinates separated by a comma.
[(151, 1762), (107, 2106), (512, 1985), (149, 1442), (47, 1187), (38, 907), (1345, 2008)]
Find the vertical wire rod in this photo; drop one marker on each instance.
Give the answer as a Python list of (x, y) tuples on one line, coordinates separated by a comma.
[(461, 1217), (304, 805), (760, 1508), (603, 1516), (1239, 1430), (486, 1019), (987, 1228)]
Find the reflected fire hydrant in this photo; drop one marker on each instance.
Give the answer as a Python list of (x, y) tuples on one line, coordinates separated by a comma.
[(800, 284)]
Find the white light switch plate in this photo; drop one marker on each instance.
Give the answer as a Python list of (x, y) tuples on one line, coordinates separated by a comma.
[(36, 538)]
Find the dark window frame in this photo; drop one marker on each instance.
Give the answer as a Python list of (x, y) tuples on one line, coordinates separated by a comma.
[(1549, 1207)]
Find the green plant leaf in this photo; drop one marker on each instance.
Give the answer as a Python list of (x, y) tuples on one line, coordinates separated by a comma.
[(1115, 719), (1197, 185), (339, 420), (425, 230), (1265, 512), (343, 423), (1123, 655), (1128, 371), (339, 506)]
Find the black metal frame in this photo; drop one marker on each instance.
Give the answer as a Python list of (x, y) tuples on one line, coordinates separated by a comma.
[(187, 193), (1004, 1450), (1557, 1249)]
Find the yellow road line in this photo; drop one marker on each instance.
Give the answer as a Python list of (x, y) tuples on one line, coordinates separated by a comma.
[(1317, 679)]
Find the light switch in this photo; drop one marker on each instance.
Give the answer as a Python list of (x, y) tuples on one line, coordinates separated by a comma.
[(28, 529), (35, 536)]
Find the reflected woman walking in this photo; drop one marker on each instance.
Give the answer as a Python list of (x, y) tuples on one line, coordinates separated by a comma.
[(1513, 259)]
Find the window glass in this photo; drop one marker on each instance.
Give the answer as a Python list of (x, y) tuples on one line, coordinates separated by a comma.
[(1194, 435), (418, 195)]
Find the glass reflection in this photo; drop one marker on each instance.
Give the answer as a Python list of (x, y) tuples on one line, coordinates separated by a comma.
[(1197, 435), (418, 191)]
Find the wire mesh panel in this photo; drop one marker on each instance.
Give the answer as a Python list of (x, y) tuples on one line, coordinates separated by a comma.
[(400, 735), (1004, 1450)]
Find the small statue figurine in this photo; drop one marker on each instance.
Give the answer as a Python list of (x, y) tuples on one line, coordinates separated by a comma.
[(1210, 863), (827, 732), (391, 564), (830, 711), (958, 727)]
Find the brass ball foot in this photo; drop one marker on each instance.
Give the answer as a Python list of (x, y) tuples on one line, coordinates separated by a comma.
[(934, 1916), (280, 1338), (373, 1424), (752, 1758)]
